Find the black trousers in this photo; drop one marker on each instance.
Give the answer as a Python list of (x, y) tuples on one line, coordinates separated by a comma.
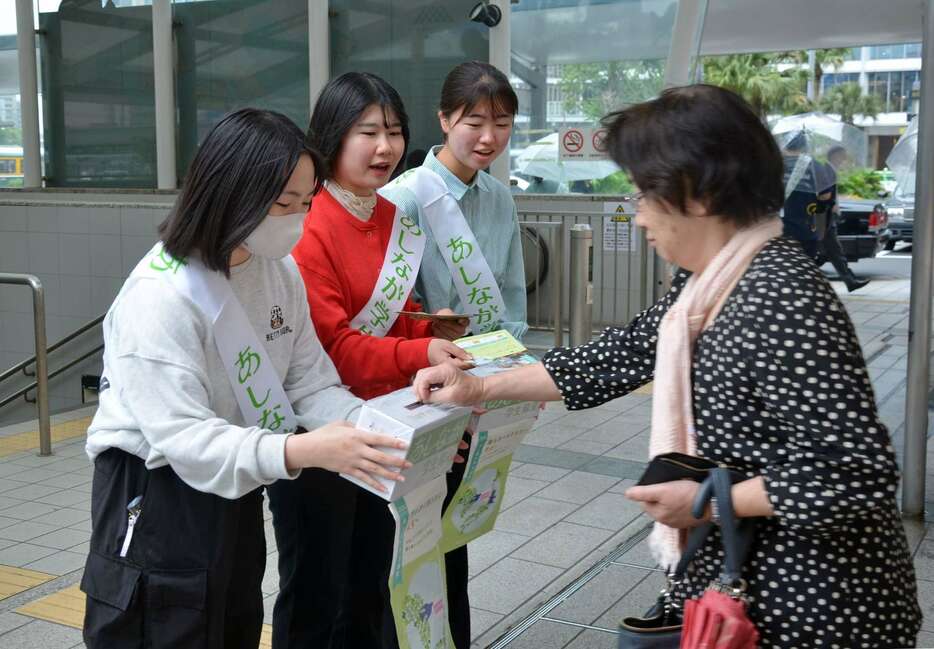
[(313, 518), (192, 573), (456, 567), (830, 246), (335, 554)]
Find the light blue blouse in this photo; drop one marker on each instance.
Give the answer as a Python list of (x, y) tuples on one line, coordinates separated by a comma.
[(491, 214)]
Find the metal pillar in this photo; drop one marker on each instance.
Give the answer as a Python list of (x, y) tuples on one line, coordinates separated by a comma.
[(914, 463), (685, 42), (501, 57), (580, 296), (28, 93), (680, 70), (163, 70), (42, 365), (812, 76), (319, 50)]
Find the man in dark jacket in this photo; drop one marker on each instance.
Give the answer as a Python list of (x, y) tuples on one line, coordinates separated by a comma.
[(829, 243)]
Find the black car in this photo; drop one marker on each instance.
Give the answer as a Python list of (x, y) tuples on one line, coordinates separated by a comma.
[(901, 209), (863, 228)]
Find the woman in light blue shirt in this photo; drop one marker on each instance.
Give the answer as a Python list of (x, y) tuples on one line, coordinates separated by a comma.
[(477, 110)]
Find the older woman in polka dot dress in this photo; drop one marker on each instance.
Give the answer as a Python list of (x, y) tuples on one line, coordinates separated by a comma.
[(778, 385)]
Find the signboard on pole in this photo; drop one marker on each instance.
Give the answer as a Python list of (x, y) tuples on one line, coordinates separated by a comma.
[(619, 226), (582, 143)]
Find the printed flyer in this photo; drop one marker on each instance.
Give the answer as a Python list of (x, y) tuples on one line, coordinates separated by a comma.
[(417, 581), (497, 433), (417, 578), (489, 346)]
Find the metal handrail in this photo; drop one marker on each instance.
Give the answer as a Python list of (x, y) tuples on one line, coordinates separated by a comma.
[(42, 368), (52, 375), (32, 359)]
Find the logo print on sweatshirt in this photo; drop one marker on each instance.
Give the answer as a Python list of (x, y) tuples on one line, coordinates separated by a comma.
[(275, 317)]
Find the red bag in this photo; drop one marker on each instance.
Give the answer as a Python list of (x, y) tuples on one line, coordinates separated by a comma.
[(717, 621)]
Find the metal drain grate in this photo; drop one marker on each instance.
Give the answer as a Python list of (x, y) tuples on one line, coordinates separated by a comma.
[(571, 588)]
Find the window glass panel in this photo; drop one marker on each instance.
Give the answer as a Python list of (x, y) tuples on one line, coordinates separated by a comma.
[(831, 79), (412, 45), (573, 68), (97, 95), (11, 139), (237, 53), (878, 85)]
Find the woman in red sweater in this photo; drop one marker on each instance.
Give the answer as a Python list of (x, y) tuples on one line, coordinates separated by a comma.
[(359, 257)]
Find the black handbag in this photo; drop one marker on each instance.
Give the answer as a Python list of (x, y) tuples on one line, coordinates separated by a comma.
[(660, 627), (681, 466)]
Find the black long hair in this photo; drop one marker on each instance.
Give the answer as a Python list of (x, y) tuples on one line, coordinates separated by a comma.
[(341, 103), (241, 167)]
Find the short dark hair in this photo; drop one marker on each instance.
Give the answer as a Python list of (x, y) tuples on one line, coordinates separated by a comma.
[(341, 103), (836, 149), (704, 143), (241, 167), (475, 82)]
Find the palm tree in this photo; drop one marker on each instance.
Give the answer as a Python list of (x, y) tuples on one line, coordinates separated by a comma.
[(832, 57), (756, 78), (847, 100)]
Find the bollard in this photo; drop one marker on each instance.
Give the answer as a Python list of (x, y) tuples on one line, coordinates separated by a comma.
[(580, 296)]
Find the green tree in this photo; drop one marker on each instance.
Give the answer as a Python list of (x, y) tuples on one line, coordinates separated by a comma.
[(757, 79), (596, 89), (615, 183), (831, 57), (847, 100), (11, 135)]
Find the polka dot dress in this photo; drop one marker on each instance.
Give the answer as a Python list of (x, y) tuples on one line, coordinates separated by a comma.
[(781, 390)]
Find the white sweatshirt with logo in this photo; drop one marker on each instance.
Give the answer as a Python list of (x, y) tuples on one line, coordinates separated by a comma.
[(166, 396)]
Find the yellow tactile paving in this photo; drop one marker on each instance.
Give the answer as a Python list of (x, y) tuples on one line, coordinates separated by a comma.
[(645, 389), (64, 607), (67, 607), (16, 580), (30, 440)]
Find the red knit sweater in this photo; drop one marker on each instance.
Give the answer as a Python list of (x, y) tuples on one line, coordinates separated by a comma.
[(340, 257)]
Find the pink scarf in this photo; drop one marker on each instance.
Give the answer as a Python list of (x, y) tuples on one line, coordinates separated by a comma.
[(672, 396)]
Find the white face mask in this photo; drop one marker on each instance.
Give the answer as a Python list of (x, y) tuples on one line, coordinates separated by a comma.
[(275, 237)]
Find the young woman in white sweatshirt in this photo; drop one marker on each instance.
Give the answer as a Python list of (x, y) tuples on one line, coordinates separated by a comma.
[(212, 374)]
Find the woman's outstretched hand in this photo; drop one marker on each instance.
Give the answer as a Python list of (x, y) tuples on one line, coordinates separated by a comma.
[(447, 384)]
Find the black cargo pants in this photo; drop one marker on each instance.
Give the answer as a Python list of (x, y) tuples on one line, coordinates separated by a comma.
[(193, 568)]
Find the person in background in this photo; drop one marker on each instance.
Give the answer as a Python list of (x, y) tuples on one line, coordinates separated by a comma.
[(473, 256), (755, 342), (829, 243), (799, 212), (211, 365), (358, 257)]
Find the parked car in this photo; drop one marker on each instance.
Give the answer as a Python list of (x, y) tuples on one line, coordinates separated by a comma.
[(887, 177), (901, 209), (862, 228)]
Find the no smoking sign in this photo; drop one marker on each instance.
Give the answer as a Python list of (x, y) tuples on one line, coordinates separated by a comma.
[(572, 141), (582, 143)]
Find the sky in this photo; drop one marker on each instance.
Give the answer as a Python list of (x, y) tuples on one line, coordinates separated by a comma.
[(8, 13)]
